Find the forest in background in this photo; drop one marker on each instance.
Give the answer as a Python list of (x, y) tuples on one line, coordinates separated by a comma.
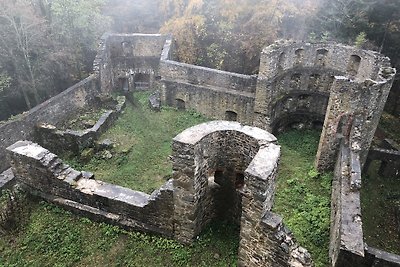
[(48, 45)]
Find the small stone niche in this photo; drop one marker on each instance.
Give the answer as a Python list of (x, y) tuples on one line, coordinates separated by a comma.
[(230, 115), (354, 65), (320, 58), (180, 104), (299, 55)]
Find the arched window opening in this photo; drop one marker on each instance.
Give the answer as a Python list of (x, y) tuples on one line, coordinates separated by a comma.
[(320, 58), (126, 48), (314, 82), (295, 81), (239, 181), (124, 84), (230, 115), (354, 65), (299, 56), (180, 104)]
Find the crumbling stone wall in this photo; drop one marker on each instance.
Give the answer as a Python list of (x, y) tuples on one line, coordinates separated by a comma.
[(305, 82), (389, 161), (6, 180), (61, 141), (212, 92), (134, 60), (102, 65), (56, 109), (301, 84), (43, 173), (199, 153), (346, 242), (183, 206), (347, 247)]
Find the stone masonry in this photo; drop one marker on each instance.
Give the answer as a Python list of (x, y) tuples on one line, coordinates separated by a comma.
[(222, 157), (44, 174), (210, 159), (223, 170)]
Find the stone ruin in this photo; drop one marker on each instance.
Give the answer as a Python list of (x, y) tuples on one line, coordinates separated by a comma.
[(224, 169), (70, 140)]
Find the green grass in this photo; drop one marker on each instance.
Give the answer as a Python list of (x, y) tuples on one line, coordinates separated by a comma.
[(143, 144), (303, 195), (390, 125), (380, 201), (54, 237)]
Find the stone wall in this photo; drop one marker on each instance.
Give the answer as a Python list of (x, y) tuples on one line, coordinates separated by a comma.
[(388, 154), (56, 109), (353, 102), (7, 180), (322, 82), (347, 247), (62, 141), (43, 173), (300, 84), (346, 242), (223, 156), (134, 60), (216, 94), (102, 65)]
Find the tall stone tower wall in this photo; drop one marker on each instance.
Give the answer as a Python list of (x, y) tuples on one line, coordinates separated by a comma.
[(322, 84)]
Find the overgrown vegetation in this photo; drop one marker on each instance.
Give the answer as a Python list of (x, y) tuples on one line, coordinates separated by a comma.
[(230, 34), (390, 125), (142, 139), (86, 119), (47, 45), (13, 213), (380, 202), (55, 237), (303, 194)]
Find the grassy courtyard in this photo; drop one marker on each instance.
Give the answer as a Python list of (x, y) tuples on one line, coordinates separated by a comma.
[(50, 236), (303, 195), (142, 146)]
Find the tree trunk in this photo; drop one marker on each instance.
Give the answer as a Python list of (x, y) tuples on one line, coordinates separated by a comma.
[(384, 36)]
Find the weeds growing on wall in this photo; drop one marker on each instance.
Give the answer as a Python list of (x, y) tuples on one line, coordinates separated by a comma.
[(303, 194)]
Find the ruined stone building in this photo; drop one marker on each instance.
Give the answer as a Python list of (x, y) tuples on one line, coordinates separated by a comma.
[(224, 168)]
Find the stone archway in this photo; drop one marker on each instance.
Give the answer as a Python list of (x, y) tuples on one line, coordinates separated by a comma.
[(241, 159)]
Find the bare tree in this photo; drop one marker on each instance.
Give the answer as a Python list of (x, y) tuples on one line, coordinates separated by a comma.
[(23, 36)]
